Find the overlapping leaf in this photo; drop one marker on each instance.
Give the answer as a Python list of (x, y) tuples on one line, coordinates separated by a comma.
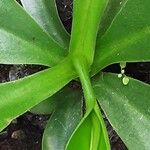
[(127, 39), (92, 133), (91, 129), (44, 12), (112, 9), (127, 108), (19, 96), (22, 41), (64, 120), (63, 132)]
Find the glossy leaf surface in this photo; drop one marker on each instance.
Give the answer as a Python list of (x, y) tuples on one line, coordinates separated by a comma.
[(19, 96), (64, 120), (22, 41), (44, 12), (128, 37), (90, 134), (127, 108)]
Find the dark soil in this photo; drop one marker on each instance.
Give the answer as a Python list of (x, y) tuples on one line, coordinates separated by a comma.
[(25, 132)]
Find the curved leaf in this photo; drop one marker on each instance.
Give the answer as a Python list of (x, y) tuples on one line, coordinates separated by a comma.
[(64, 120), (45, 14), (19, 96), (127, 108), (128, 37), (90, 133), (22, 41)]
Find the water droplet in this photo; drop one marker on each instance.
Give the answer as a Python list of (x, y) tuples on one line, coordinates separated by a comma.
[(119, 75), (122, 71), (125, 80)]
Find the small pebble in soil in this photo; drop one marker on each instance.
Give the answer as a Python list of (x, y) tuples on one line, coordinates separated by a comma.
[(19, 134)]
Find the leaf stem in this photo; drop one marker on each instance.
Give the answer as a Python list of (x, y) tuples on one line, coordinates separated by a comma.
[(83, 72)]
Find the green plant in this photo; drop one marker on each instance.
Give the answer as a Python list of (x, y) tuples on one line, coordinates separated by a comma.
[(103, 32)]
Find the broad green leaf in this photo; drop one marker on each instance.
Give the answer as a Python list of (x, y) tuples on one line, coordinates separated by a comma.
[(22, 41), (127, 108), (127, 39), (110, 13), (45, 14), (64, 120), (90, 133), (19, 96)]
